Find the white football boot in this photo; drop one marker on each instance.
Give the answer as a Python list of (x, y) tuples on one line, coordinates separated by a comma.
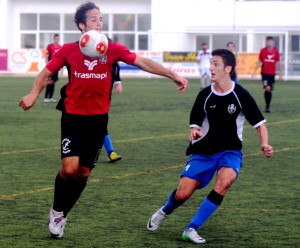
[(192, 235), (156, 219), (56, 223)]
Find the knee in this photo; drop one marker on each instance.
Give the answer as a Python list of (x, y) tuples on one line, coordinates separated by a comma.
[(68, 173), (182, 195), (222, 186)]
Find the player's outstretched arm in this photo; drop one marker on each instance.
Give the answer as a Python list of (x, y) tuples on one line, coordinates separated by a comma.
[(39, 84), (263, 137), (258, 64), (153, 67)]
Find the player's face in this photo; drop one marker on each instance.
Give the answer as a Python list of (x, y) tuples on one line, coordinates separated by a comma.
[(219, 72), (94, 21), (56, 39), (270, 43), (230, 47)]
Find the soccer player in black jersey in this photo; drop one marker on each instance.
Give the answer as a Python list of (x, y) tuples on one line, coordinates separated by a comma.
[(216, 126)]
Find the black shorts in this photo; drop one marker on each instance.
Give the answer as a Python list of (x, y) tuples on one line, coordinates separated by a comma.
[(268, 80), (83, 136), (53, 77)]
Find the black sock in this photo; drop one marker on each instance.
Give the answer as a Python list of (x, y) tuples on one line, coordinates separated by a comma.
[(60, 193), (51, 90), (268, 97), (75, 190), (215, 197)]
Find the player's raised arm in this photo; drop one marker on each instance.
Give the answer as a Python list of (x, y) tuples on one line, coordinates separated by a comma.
[(153, 67), (263, 137), (39, 84)]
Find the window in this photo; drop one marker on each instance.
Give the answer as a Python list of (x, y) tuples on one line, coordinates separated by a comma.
[(49, 21), (201, 39), (37, 30), (144, 22), (220, 41), (28, 40), (123, 22), (295, 43), (126, 39), (28, 21)]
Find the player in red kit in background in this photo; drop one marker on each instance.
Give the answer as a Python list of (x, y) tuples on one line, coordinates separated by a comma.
[(51, 50), (268, 58), (85, 105)]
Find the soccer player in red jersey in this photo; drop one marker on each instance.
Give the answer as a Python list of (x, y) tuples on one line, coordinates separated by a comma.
[(85, 105), (51, 50), (268, 58)]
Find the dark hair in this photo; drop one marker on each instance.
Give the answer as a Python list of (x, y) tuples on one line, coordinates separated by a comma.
[(227, 57), (55, 35), (270, 38), (80, 14), (204, 44), (230, 43)]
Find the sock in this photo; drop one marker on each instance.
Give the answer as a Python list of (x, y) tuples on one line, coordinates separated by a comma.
[(66, 193), (172, 203), (268, 97), (47, 91), (60, 193), (75, 190), (108, 144), (51, 90), (207, 208)]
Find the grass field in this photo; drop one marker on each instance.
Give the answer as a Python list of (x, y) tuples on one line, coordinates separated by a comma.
[(149, 128)]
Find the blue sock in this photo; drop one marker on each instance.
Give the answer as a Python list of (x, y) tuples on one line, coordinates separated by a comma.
[(172, 204), (207, 208), (108, 145)]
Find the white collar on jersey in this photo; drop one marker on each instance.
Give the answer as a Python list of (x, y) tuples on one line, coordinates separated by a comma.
[(225, 93)]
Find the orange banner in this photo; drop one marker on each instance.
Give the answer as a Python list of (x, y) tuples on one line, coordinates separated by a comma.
[(246, 63)]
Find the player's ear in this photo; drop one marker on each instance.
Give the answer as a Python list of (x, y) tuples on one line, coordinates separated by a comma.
[(228, 69), (82, 27)]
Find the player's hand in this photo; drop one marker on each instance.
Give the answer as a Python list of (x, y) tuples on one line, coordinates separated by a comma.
[(119, 88), (280, 78), (195, 133), (181, 82), (28, 101), (267, 150)]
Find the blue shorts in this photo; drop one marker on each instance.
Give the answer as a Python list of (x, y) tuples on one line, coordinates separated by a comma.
[(202, 168)]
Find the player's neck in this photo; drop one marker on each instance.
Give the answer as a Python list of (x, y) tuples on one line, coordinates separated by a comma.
[(223, 86)]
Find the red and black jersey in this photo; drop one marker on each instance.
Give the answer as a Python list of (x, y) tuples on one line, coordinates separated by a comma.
[(52, 49), (269, 57), (90, 79)]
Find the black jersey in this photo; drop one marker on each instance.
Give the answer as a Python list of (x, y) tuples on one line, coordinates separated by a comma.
[(221, 117)]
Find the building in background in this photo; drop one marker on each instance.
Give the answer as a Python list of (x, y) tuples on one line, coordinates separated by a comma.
[(160, 25)]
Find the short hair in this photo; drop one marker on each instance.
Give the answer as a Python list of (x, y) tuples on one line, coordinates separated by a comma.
[(204, 44), (227, 57), (80, 14), (230, 43), (55, 35), (270, 38)]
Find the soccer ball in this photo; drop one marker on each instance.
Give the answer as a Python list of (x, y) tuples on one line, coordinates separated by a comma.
[(93, 44)]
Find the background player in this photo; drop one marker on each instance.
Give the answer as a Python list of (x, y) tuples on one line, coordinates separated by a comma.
[(117, 84), (204, 57), (268, 58), (51, 50), (231, 47), (85, 105), (216, 123)]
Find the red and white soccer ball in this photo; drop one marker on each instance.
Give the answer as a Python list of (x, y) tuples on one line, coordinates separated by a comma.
[(93, 44)]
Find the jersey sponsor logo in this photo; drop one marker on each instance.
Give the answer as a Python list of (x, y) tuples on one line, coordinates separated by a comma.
[(65, 146), (212, 106), (231, 108), (90, 75), (270, 58), (90, 64), (103, 59)]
